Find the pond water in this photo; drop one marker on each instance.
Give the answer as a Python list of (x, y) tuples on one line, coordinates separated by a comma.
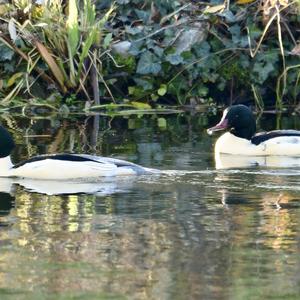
[(193, 232)]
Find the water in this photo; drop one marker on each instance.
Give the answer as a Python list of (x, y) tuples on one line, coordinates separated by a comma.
[(193, 232)]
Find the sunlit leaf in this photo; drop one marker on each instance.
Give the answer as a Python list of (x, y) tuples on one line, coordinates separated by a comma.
[(107, 40), (296, 50), (214, 9), (12, 29), (4, 8), (162, 123), (140, 105), (51, 63), (72, 27), (244, 1), (11, 81), (162, 90)]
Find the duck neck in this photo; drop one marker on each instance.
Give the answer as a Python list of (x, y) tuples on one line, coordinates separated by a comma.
[(243, 133), (5, 165)]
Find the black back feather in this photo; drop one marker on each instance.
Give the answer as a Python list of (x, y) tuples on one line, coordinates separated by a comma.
[(64, 156), (264, 136)]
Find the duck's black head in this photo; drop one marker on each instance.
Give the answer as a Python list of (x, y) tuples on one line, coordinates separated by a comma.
[(6, 142), (239, 120)]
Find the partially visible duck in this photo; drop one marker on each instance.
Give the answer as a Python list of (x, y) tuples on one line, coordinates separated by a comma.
[(63, 166), (241, 139)]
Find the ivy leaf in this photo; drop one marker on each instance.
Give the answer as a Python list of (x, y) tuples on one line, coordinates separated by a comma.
[(174, 59), (237, 38), (145, 84), (5, 53), (202, 49), (202, 91), (133, 30), (123, 1), (228, 15), (265, 66), (143, 14), (148, 64), (158, 51), (136, 48), (263, 70)]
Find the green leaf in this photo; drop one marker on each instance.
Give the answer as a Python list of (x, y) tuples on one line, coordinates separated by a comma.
[(144, 83), (72, 27), (140, 105), (263, 71), (154, 97), (136, 48), (174, 59), (123, 1), (214, 9), (5, 53), (148, 64), (89, 14), (162, 123), (107, 40), (162, 90), (202, 91), (11, 81), (133, 30)]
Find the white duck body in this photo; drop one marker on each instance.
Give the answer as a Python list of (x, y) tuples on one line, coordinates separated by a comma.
[(63, 166), (227, 161), (228, 143), (69, 166), (241, 138)]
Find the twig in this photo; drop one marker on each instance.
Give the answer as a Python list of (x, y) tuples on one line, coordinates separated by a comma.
[(165, 18), (289, 31), (279, 101)]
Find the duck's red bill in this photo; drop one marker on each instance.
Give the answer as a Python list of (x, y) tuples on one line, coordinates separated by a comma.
[(220, 126)]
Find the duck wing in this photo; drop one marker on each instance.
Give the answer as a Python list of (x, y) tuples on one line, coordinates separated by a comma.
[(64, 157), (119, 163), (264, 136), (105, 161)]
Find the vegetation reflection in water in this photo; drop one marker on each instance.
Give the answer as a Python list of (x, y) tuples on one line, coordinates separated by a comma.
[(194, 232)]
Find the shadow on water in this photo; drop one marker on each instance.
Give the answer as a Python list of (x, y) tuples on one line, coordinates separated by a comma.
[(192, 232)]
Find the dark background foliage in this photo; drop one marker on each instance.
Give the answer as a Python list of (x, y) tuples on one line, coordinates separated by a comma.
[(189, 53)]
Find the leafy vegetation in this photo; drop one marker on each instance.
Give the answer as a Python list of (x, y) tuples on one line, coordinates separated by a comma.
[(151, 53), (64, 49)]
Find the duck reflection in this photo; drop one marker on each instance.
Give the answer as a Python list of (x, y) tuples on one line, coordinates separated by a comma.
[(7, 202), (50, 187), (227, 161)]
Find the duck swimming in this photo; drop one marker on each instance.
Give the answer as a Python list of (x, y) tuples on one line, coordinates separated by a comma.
[(63, 166), (241, 139)]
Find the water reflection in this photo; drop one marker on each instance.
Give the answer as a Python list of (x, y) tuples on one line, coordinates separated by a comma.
[(227, 161), (195, 232), (99, 187)]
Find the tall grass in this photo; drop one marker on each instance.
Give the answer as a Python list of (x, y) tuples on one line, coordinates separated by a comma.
[(69, 44)]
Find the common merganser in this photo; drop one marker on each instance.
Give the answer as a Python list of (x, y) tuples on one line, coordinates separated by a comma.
[(242, 140), (63, 166)]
